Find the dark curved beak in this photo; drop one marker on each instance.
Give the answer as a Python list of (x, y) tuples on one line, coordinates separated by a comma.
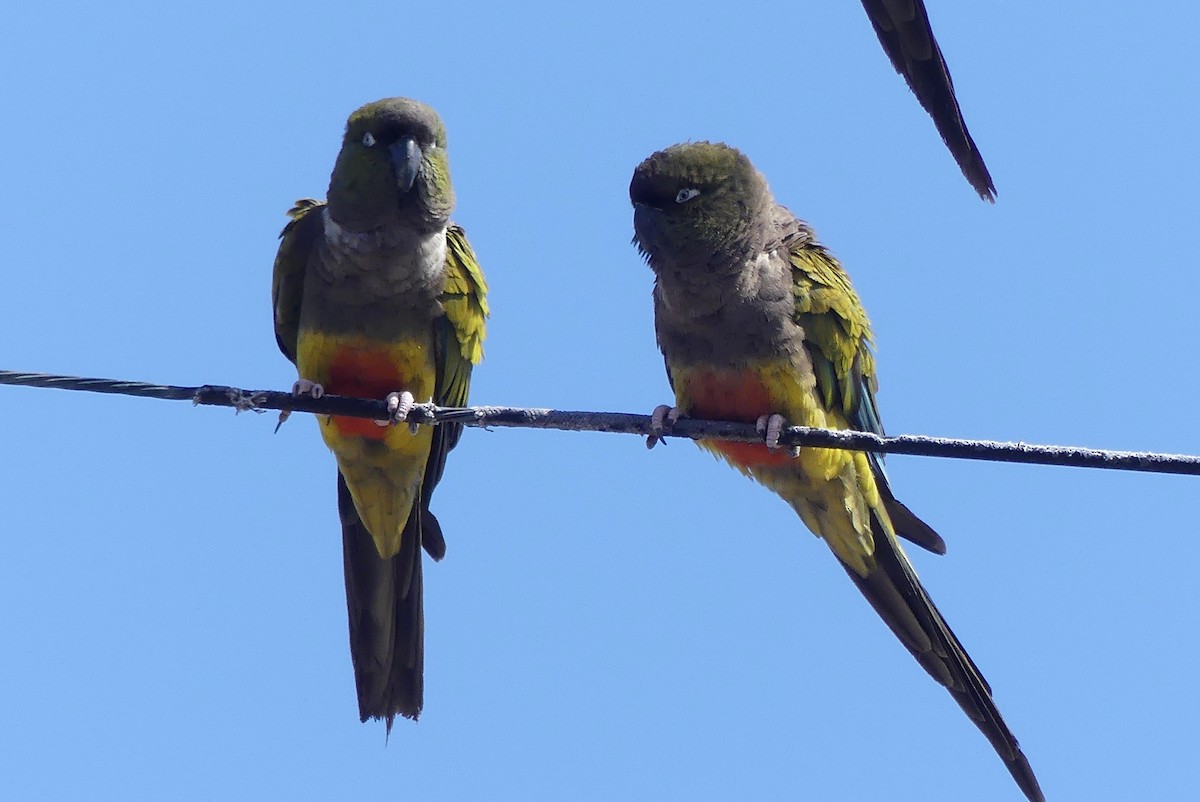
[(406, 159), (646, 220)]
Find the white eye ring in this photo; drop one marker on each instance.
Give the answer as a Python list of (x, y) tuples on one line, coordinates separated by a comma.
[(368, 140), (686, 194)]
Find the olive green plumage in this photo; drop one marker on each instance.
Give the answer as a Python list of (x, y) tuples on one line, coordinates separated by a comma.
[(375, 292), (756, 319)]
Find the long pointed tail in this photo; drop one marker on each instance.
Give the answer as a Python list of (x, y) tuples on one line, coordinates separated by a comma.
[(387, 624), (897, 595), (908, 40)]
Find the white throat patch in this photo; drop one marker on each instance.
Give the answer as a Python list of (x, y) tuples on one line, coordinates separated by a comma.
[(421, 255)]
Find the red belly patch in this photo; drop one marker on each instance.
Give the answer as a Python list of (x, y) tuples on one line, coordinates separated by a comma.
[(363, 373), (740, 397)]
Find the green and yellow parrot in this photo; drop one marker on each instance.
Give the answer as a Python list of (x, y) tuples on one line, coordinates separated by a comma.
[(904, 31), (377, 294), (758, 322)]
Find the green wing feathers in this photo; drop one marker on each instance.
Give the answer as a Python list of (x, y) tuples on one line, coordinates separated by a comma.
[(459, 344), (838, 336), (837, 332), (287, 279), (465, 301)]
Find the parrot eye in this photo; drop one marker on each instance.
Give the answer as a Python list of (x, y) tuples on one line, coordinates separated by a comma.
[(368, 140), (685, 195)]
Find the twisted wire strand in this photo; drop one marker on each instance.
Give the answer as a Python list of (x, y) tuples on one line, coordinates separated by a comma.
[(624, 423)]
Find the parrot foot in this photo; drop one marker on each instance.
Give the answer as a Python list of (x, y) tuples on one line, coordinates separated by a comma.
[(311, 389), (662, 418), (301, 387), (771, 427), (399, 405)]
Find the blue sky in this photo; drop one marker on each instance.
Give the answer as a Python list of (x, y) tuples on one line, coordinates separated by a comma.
[(608, 623)]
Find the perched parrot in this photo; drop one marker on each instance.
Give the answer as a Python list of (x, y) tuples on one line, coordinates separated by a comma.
[(376, 294), (757, 322), (903, 29)]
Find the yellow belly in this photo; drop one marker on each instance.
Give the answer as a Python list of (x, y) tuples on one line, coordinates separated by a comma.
[(383, 465), (833, 491)]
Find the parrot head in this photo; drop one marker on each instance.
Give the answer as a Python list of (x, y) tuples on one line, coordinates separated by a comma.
[(694, 201), (392, 169)]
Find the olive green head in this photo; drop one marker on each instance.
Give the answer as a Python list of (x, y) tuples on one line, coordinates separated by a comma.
[(696, 201), (392, 168)]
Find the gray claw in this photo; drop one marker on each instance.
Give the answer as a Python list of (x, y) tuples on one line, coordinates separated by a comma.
[(662, 419), (301, 387), (771, 427), (311, 389), (398, 406)]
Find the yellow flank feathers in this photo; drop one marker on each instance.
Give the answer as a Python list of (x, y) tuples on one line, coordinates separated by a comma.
[(833, 491)]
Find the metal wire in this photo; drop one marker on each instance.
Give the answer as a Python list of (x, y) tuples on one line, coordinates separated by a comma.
[(624, 423)]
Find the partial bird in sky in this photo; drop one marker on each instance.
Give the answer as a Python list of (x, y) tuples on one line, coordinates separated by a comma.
[(758, 322), (904, 31)]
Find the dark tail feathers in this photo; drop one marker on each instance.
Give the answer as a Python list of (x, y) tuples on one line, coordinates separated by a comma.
[(897, 595), (383, 601), (908, 40)]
